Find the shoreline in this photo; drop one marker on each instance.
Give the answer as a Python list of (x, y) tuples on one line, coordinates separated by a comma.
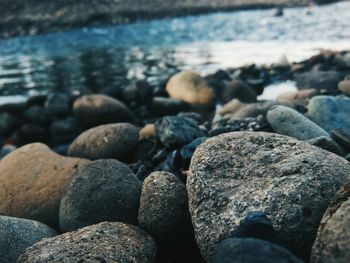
[(37, 18)]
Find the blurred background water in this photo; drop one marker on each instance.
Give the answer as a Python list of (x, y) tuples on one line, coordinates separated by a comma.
[(112, 56)]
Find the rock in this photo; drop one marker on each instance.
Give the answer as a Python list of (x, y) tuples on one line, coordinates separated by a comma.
[(106, 141), (32, 180), (104, 242), (326, 143), (343, 138), (17, 234), (251, 250), (236, 89), (6, 149), (13, 103), (29, 133), (319, 80), (330, 112), (148, 131), (163, 210), (177, 131), (188, 150), (167, 106), (103, 190), (93, 110), (278, 12), (145, 150), (57, 104), (65, 130), (344, 86), (297, 98), (232, 106), (287, 121), (254, 110), (290, 181), (332, 242), (138, 91), (8, 123), (37, 115), (191, 88)]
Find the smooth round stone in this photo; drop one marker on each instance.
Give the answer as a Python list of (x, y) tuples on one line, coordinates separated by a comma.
[(104, 242), (332, 242), (330, 112), (38, 115), (235, 174), (8, 123), (148, 131), (103, 190), (17, 234), (163, 209), (344, 86), (93, 110), (190, 87), (287, 121), (251, 250), (106, 141), (57, 104), (32, 180), (236, 89)]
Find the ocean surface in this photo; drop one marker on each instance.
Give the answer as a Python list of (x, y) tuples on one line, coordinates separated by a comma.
[(94, 58)]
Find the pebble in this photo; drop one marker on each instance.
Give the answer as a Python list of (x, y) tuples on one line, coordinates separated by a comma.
[(57, 104), (319, 80), (236, 89)]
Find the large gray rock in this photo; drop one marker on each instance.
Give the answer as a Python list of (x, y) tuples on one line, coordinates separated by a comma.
[(93, 110), (17, 234), (103, 190), (332, 243), (164, 209), (235, 174), (106, 141), (287, 121), (330, 112), (104, 242), (320, 80), (251, 250)]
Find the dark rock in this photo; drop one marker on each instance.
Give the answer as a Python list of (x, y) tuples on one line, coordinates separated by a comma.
[(332, 242), (163, 210), (37, 115), (66, 130), (290, 181), (278, 12), (287, 121), (188, 150), (191, 115), (138, 91), (167, 106), (104, 242), (326, 143), (106, 141), (145, 150), (330, 112), (342, 137), (171, 164), (57, 104), (177, 131), (13, 104), (319, 80), (29, 133), (6, 149), (103, 190), (17, 234), (251, 250), (93, 110), (236, 89), (8, 123)]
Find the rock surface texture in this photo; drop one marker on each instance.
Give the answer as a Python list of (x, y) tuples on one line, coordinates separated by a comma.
[(238, 173)]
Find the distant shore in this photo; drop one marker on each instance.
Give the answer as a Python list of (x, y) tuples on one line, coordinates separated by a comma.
[(32, 17)]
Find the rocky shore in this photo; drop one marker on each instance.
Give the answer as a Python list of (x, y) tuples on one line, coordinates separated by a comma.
[(195, 170), (31, 17)]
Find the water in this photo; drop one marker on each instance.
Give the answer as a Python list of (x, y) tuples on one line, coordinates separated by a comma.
[(95, 58)]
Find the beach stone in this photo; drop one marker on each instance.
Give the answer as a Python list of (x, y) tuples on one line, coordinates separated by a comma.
[(8, 123), (299, 97), (103, 190), (94, 110), (253, 109), (332, 242), (176, 131), (17, 234), (65, 130), (251, 250), (236, 89), (344, 86), (32, 180), (290, 181), (148, 131), (106, 141), (6, 149), (330, 112), (37, 115), (232, 106), (190, 87), (326, 143), (104, 242), (57, 104), (287, 121), (319, 80), (29, 133), (167, 106), (163, 209)]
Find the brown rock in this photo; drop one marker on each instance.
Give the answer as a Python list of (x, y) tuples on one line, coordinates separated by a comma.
[(93, 110), (232, 106), (32, 180), (106, 141), (236, 89), (344, 86), (104, 242), (299, 97), (190, 87), (332, 242), (148, 131)]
